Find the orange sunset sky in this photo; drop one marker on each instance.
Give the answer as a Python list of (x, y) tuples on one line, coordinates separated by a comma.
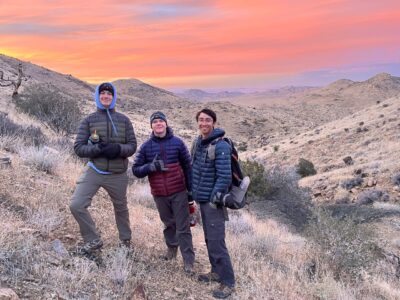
[(206, 44)]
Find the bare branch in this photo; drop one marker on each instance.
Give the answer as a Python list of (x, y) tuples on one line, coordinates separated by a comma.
[(15, 82)]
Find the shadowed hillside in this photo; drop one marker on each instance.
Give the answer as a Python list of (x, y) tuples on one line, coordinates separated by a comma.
[(330, 235)]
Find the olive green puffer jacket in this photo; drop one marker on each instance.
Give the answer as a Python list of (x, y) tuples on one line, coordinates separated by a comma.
[(100, 122)]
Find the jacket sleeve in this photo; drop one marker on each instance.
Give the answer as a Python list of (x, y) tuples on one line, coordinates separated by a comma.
[(81, 146), (129, 148), (141, 168), (223, 170), (186, 163)]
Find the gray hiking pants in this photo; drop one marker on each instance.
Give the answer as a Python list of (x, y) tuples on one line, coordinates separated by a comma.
[(174, 213), (214, 232), (87, 186)]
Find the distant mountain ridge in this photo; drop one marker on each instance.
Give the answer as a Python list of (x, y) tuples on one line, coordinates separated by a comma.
[(200, 95)]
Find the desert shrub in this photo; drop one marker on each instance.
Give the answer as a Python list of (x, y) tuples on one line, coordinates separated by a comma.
[(291, 199), (48, 104), (29, 135), (305, 168), (279, 184), (258, 187), (396, 179), (351, 183), (345, 247), (242, 147), (370, 196), (276, 148), (40, 158)]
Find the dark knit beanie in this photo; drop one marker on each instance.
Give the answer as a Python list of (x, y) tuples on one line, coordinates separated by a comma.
[(106, 87), (158, 115)]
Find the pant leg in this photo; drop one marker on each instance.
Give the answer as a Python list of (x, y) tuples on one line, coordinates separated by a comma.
[(167, 217), (87, 185), (214, 223), (204, 221), (180, 209), (116, 186)]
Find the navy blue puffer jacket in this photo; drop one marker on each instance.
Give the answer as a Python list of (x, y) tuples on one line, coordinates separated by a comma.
[(176, 157), (211, 175)]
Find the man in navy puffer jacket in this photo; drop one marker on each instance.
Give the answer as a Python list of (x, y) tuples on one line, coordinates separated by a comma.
[(210, 176), (165, 159)]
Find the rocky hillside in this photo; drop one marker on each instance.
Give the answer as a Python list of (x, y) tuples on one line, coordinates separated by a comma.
[(369, 137)]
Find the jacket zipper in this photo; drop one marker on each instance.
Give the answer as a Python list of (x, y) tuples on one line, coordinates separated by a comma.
[(163, 173)]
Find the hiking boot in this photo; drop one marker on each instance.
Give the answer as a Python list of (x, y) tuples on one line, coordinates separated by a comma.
[(223, 291), (89, 247), (188, 268), (208, 277), (125, 243), (171, 253)]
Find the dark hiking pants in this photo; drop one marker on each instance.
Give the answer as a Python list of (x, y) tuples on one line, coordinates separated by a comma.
[(214, 233), (87, 186), (174, 213)]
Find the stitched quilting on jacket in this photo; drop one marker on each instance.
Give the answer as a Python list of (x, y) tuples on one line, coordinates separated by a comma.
[(112, 127), (211, 175), (176, 157)]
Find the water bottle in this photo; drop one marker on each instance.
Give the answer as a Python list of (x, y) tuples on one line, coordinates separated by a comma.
[(94, 138)]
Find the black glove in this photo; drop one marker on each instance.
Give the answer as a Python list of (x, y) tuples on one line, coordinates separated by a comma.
[(110, 151), (157, 165)]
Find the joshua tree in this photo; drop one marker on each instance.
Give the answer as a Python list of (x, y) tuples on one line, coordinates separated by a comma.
[(14, 82)]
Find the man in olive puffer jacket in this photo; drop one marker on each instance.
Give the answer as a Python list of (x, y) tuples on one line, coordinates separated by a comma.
[(107, 138)]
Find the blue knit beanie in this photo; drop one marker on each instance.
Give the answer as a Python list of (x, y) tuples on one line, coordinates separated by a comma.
[(158, 115)]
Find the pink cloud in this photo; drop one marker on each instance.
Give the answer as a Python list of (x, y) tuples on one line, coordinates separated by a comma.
[(198, 38)]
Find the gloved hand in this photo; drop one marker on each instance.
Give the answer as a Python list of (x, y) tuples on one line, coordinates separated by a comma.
[(157, 165), (217, 200), (110, 151)]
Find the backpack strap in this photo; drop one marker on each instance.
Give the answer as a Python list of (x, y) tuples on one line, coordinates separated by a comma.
[(211, 148), (193, 147)]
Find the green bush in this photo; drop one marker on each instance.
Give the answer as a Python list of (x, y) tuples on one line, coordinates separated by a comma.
[(258, 187), (48, 104), (305, 168)]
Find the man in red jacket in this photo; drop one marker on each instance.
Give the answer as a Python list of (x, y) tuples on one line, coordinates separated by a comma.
[(166, 161)]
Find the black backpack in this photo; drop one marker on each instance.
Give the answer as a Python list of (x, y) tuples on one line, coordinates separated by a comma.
[(237, 174)]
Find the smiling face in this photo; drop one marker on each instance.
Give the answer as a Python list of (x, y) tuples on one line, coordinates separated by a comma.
[(205, 124), (159, 127), (106, 98)]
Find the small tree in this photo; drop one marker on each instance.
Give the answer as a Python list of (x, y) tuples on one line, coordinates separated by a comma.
[(14, 82)]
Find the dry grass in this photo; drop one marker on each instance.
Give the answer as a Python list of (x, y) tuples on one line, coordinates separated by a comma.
[(269, 261), (40, 158)]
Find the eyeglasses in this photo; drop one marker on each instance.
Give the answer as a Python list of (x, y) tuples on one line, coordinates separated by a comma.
[(206, 120)]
